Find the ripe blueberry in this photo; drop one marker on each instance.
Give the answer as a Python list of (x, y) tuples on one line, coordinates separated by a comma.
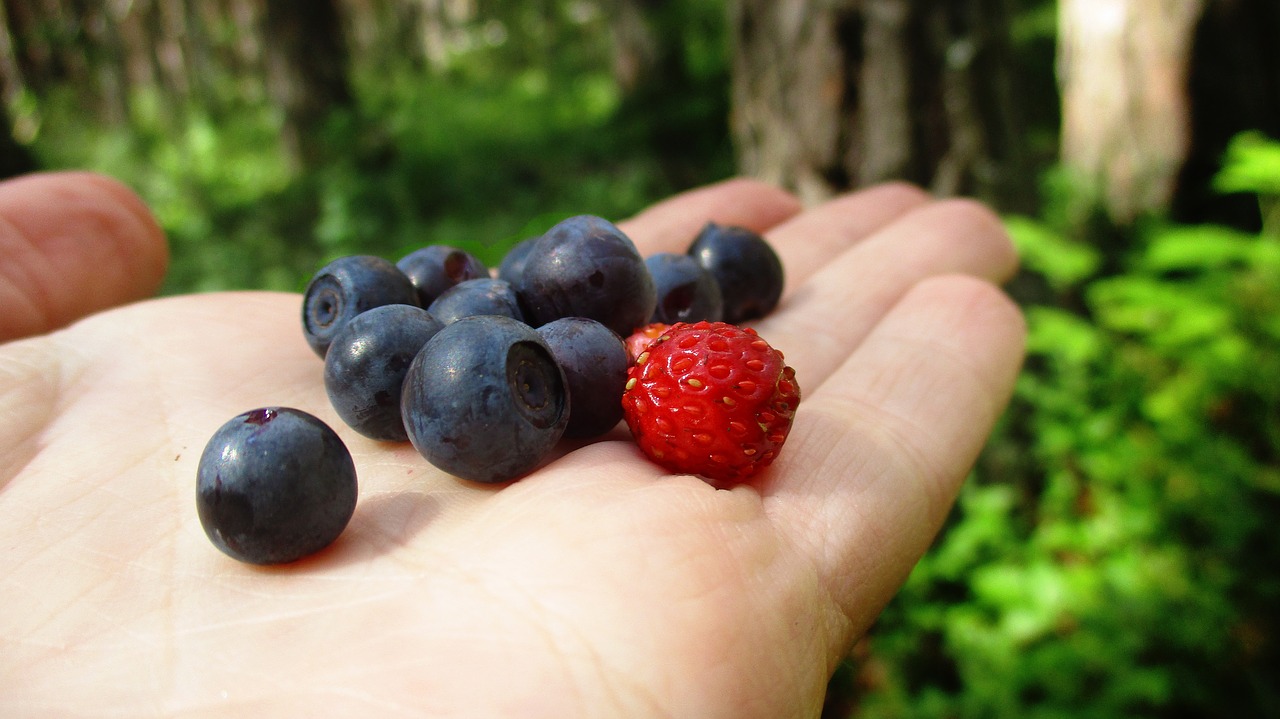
[(365, 367), (745, 266), (687, 292), (435, 268), (482, 296), (586, 267), (346, 287), (485, 400), (511, 268), (594, 360), (274, 485)]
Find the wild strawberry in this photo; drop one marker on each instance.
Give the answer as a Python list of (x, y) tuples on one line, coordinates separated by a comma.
[(712, 399), (639, 340)]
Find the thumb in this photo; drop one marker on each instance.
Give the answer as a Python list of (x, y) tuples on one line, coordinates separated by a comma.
[(71, 244)]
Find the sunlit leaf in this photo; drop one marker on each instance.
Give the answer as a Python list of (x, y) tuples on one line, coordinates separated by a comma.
[(1198, 247), (1062, 262), (1252, 164)]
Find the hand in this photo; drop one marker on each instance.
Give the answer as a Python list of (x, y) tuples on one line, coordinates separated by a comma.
[(595, 587)]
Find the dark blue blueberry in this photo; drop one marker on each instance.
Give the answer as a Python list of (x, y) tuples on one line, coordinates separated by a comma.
[(594, 360), (586, 267), (485, 400), (346, 287), (511, 268), (477, 297), (365, 367), (746, 268), (687, 292), (436, 268), (274, 485)]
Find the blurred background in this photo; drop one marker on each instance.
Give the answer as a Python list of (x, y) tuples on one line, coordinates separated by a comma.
[(1115, 553)]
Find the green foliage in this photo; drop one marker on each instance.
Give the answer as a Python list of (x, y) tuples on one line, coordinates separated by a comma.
[(1114, 554), (1111, 556), (524, 127), (1253, 166)]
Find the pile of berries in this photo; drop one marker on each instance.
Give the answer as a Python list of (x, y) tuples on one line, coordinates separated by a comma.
[(485, 372)]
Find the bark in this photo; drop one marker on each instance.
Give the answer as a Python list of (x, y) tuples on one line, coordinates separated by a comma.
[(1123, 68), (789, 93), (832, 95), (307, 65), (11, 80), (433, 31), (1234, 86), (15, 158), (635, 47)]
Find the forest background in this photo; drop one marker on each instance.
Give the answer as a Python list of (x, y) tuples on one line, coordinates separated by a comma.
[(1114, 553)]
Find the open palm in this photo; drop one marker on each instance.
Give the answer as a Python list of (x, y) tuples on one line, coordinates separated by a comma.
[(597, 586)]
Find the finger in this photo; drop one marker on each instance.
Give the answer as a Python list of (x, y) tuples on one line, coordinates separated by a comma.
[(671, 225), (878, 452), (809, 241), (72, 244), (832, 311)]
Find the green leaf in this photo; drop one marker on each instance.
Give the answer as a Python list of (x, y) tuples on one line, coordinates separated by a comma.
[(1252, 164), (1062, 262), (1169, 314), (1062, 335), (1198, 247)]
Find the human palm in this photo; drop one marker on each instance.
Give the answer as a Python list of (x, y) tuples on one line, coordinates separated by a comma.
[(595, 586)]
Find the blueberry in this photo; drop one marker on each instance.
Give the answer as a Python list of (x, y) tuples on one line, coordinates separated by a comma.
[(365, 367), (436, 268), (745, 266), (594, 360), (511, 268), (274, 485), (477, 297), (346, 287), (586, 267), (687, 292), (485, 400)]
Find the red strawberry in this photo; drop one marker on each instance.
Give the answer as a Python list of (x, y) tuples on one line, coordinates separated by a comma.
[(711, 398)]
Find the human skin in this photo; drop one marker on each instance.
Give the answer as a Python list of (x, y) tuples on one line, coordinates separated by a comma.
[(597, 586)]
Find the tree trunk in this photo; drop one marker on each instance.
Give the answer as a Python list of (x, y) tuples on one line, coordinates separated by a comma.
[(635, 47), (1234, 86), (306, 70), (831, 95), (433, 31), (1123, 67), (15, 158), (11, 80)]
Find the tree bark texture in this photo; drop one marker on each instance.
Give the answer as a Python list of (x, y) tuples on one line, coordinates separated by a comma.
[(635, 47), (307, 63), (829, 95), (1123, 68)]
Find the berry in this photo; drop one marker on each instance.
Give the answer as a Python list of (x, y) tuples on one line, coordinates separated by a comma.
[(484, 400), (436, 268), (365, 367), (711, 399), (511, 268), (481, 296), (586, 267), (686, 291), (346, 287), (274, 485), (746, 268), (594, 361)]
